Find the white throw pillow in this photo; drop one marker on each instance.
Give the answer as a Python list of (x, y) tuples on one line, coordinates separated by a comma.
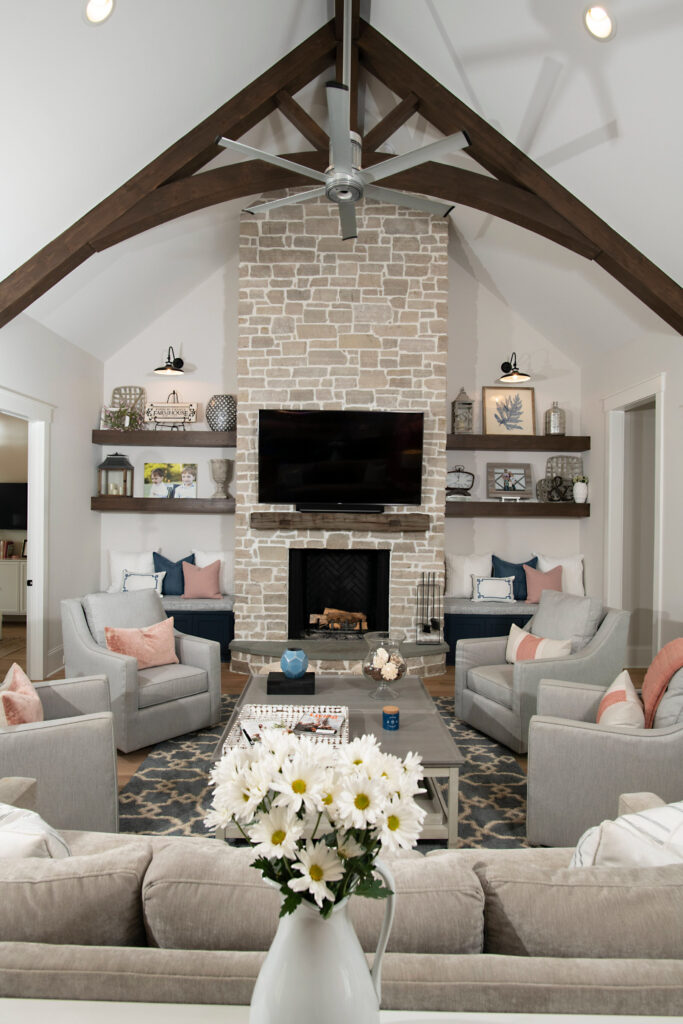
[(24, 834), (133, 561), (646, 839), (621, 705), (493, 588), (226, 558), (459, 572), (142, 581), (522, 646), (572, 571)]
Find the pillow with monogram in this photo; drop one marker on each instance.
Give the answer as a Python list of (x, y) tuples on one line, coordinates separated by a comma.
[(493, 588)]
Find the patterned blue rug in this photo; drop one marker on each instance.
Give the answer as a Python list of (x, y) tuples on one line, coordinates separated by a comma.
[(169, 793)]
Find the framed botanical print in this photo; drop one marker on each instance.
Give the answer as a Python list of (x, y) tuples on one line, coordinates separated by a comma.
[(508, 480), (508, 411)]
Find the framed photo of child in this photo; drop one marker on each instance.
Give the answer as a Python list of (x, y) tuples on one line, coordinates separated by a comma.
[(170, 480)]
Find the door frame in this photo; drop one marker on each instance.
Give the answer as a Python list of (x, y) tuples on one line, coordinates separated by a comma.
[(615, 407), (39, 417)]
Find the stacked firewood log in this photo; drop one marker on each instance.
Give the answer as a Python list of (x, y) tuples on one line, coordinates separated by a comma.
[(337, 618)]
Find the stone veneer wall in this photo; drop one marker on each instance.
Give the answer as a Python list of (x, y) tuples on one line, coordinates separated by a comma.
[(332, 324)]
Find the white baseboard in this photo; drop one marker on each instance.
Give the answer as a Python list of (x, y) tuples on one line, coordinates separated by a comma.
[(55, 661)]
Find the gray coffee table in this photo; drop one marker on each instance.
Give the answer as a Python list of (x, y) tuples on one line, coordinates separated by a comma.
[(422, 730)]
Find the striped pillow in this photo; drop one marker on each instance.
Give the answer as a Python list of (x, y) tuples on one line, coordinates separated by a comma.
[(621, 705), (522, 646)]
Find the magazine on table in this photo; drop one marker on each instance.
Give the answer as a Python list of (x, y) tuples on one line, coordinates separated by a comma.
[(322, 723)]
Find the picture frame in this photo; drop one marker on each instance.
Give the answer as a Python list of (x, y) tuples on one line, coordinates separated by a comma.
[(508, 411), (170, 480), (508, 480)]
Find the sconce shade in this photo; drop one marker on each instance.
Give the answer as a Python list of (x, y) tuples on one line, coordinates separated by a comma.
[(173, 366), (511, 373)]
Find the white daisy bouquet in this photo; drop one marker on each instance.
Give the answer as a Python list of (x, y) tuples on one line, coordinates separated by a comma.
[(318, 815)]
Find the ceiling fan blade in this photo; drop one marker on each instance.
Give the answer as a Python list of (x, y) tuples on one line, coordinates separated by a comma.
[(392, 195), (418, 156), (300, 197), (347, 219), (340, 119), (258, 154)]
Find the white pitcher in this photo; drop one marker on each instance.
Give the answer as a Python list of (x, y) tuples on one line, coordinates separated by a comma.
[(316, 970)]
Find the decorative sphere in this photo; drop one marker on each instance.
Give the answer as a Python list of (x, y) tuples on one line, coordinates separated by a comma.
[(294, 662)]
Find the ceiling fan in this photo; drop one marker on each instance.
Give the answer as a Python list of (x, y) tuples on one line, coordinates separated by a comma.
[(346, 182)]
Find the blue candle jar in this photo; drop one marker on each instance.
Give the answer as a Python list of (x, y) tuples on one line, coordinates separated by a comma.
[(390, 717)]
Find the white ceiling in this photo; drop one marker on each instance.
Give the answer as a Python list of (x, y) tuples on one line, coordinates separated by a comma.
[(84, 108)]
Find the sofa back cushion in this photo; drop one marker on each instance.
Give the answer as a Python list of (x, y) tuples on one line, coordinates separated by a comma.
[(122, 611), (567, 617), (81, 901), (580, 912), (210, 899)]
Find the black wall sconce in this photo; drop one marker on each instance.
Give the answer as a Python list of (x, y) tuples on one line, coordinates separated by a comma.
[(511, 372), (173, 365)]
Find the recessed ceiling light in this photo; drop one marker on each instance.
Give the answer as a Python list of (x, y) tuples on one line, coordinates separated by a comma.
[(599, 23), (97, 11)]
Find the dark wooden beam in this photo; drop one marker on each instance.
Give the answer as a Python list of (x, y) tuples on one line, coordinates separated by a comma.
[(385, 128), (254, 176), (499, 156), (72, 247), (302, 121)]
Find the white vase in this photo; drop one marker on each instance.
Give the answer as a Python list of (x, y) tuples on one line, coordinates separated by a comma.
[(580, 492), (316, 970)]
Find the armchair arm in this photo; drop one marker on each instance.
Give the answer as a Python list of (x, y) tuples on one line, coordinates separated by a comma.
[(18, 791), (66, 698), (484, 650), (205, 654), (561, 698), (74, 763)]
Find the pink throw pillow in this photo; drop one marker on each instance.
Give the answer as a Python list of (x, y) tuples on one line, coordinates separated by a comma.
[(19, 700), (537, 581), (202, 581), (152, 645), (621, 704), (664, 665), (523, 646)]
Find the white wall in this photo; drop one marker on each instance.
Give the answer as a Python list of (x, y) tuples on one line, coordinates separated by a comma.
[(202, 328), (639, 529), (483, 332), (39, 364)]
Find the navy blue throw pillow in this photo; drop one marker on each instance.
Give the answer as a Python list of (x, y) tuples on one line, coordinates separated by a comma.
[(502, 568), (173, 584)]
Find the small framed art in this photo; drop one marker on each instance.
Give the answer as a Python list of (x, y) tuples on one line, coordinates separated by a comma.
[(508, 480), (508, 411)]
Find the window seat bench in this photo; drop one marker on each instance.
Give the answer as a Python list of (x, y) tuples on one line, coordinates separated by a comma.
[(464, 618), (209, 617)]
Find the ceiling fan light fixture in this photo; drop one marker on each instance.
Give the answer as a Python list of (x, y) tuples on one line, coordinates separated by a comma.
[(511, 372), (173, 366), (97, 11), (599, 23)]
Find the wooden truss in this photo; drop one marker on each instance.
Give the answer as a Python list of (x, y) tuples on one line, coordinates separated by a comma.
[(173, 184)]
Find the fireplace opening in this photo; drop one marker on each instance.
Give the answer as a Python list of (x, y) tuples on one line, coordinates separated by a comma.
[(348, 589)]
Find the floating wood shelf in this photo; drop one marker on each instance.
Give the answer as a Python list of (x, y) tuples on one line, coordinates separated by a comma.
[(512, 509), (384, 522), (176, 506), (518, 443), (166, 438)]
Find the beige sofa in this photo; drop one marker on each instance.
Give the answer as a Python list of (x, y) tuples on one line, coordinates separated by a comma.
[(188, 920)]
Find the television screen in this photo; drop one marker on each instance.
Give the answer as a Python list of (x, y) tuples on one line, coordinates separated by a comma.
[(336, 458), (13, 506)]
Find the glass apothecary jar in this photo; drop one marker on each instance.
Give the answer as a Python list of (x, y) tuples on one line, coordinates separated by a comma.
[(384, 662), (555, 420)]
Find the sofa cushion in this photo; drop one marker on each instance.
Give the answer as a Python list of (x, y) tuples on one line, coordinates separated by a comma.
[(572, 571), (493, 682), (86, 901), (580, 912), (215, 900), (646, 838), (537, 582), (493, 588), (173, 583), (23, 833), (567, 617), (226, 558), (122, 611), (621, 705), (459, 571), (522, 646), (201, 581), (162, 683), (670, 708), (502, 568)]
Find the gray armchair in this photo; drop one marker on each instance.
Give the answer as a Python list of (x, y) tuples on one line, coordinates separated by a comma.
[(152, 704), (499, 699), (71, 755), (578, 769)]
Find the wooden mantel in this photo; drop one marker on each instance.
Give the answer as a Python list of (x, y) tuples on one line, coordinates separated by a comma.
[(383, 522)]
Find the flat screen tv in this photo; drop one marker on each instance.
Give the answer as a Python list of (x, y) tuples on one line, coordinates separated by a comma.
[(331, 459), (13, 506)]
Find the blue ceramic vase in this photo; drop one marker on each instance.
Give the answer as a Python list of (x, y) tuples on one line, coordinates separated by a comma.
[(294, 662)]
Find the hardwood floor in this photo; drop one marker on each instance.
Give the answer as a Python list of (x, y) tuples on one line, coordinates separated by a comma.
[(13, 648)]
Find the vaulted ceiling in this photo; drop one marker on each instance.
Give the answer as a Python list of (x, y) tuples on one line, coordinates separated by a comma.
[(96, 105)]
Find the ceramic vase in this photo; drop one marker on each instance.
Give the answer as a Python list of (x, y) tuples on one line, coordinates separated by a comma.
[(315, 969), (221, 412), (580, 492), (294, 662), (221, 472)]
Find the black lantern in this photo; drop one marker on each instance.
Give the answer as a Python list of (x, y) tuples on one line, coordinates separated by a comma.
[(115, 477)]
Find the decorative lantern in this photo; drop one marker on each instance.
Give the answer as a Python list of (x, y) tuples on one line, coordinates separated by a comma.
[(463, 419), (115, 477)]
